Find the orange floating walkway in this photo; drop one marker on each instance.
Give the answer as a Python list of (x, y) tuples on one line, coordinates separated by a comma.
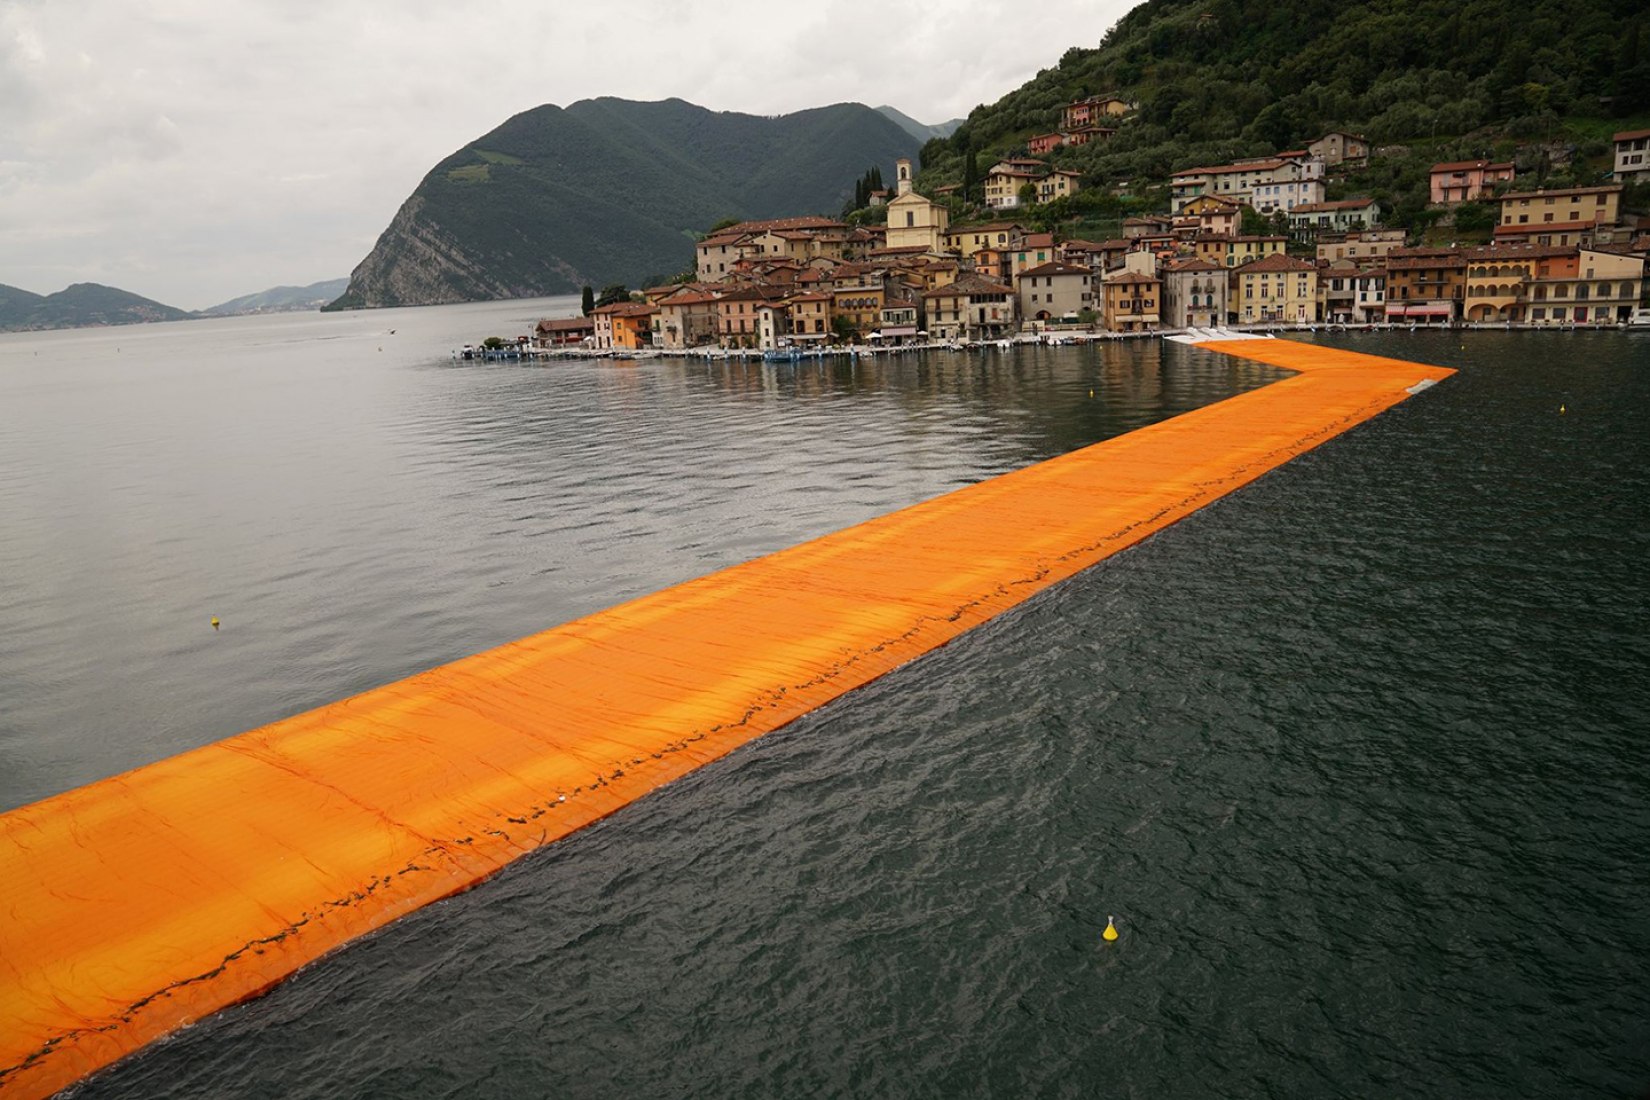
[(139, 903)]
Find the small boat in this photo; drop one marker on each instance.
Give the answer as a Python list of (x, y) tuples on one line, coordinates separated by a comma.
[(1640, 320)]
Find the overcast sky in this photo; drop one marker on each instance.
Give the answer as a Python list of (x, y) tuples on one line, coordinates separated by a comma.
[(197, 150)]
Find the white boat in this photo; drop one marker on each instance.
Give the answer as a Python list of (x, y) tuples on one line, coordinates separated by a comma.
[(1640, 319)]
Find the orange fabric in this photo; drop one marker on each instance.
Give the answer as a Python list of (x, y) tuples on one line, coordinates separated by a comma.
[(139, 903)]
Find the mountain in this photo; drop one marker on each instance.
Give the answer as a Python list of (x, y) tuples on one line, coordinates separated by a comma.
[(919, 130), (1431, 80), (77, 306), (280, 299), (610, 190)]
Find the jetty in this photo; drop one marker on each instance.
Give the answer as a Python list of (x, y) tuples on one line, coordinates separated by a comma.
[(142, 902)]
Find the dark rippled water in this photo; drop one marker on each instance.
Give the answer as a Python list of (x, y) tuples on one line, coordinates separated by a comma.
[(1357, 757)]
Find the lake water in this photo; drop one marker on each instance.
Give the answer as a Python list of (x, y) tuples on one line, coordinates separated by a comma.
[(1358, 757)]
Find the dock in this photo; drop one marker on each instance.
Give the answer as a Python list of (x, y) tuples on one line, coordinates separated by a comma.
[(142, 902)]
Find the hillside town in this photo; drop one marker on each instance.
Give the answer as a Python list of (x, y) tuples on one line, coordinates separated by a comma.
[(1558, 257)]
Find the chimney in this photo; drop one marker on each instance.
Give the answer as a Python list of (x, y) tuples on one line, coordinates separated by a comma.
[(904, 166)]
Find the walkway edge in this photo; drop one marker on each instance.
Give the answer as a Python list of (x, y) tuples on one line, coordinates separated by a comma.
[(142, 902)]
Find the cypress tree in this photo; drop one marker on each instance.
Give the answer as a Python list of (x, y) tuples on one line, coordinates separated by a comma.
[(588, 300)]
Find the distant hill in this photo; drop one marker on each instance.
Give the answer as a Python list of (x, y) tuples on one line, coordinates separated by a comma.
[(280, 299), (920, 130), (610, 190), (77, 306)]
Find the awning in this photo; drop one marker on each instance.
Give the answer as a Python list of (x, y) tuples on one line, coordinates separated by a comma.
[(1420, 311), (898, 330)]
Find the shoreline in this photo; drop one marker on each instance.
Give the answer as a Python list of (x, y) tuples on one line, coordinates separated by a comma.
[(1045, 338)]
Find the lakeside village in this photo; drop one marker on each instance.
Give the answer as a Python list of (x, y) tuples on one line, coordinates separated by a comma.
[(791, 286)]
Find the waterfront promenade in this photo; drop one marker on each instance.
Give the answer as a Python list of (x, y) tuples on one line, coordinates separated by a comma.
[(143, 901)]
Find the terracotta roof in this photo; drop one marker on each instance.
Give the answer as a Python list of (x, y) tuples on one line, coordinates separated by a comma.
[(900, 250), (625, 309), (1463, 165), (1542, 227), (722, 239), (1277, 262), (1192, 263), (1130, 278), (1437, 258), (811, 296), (810, 221), (1037, 240), (967, 286), (1221, 199), (1220, 169), (566, 324), (747, 294), (1557, 191), (1338, 204), (1520, 251), (1630, 135), (1054, 268)]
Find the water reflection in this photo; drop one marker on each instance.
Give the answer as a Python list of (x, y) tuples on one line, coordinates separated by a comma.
[(357, 508)]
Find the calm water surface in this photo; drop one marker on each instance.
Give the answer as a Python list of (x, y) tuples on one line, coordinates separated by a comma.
[(1357, 757)]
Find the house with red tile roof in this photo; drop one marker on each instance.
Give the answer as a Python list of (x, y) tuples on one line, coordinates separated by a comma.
[(1465, 180), (1055, 290), (1632, 149), (971, 308)]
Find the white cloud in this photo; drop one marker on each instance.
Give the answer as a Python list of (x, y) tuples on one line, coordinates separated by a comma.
[(195, 150)]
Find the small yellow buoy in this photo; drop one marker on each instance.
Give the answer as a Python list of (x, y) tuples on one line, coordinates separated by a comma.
[(1111, 930), (1561, 410), (1091, 393), (214, 622)]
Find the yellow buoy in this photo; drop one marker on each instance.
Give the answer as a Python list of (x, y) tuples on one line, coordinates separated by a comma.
[(214, 622), (1111, 930), (1561, 410)]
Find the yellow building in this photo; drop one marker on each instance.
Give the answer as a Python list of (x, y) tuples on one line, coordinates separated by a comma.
[(971, 308), (1057, 185), (914, 221), (1133, 302), (1562, 207), (1277, 289), (860, 305), (1005, 179), (965, 240), (810, 316), (1233, 251)]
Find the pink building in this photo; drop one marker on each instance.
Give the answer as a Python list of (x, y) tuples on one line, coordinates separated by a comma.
[(1043, 144), (1463, 181)]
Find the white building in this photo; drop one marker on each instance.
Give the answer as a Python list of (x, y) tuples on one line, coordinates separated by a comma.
[(1268, 185), (1632, 156)]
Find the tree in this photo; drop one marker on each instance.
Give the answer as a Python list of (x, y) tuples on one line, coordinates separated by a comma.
[(1253, 222), (844, 329), (1028, 194), (971, 175), (724, 223), (588, 300), (613, 292)]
